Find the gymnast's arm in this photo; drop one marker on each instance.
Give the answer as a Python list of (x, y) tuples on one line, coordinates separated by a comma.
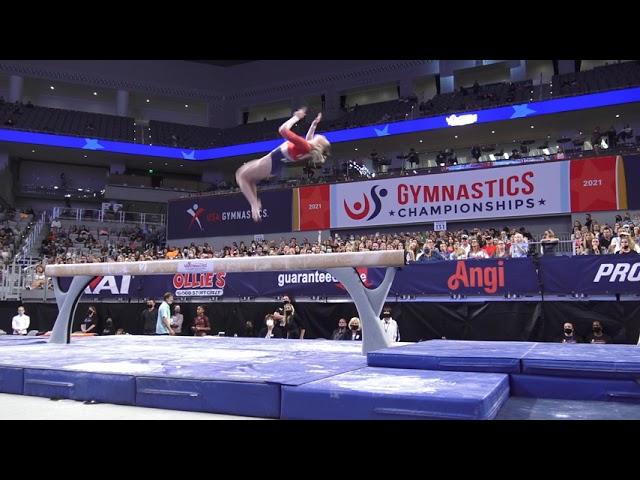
[(285, 128), (312, 128)]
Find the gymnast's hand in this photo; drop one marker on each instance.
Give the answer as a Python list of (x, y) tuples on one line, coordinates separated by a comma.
[(301, 113), (318, 118)]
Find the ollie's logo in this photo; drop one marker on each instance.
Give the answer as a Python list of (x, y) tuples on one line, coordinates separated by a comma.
[(362, 209), (201, 280), (195, 213), (488, 278)]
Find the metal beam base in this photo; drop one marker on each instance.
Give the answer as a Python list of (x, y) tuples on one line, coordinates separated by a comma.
[(369, 303), (67, 303)]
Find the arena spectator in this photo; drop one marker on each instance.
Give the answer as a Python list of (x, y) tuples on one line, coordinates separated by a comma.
[(176, 320), (519, 247), (90, 322), (200, 325), (569, 334), (597, 334), (355, 333), (272, 329), (20, 322), (390, 326), (549, 243), (149, 318), (163, 324), (341, 333)]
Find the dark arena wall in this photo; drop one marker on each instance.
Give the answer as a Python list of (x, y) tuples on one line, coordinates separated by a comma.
[(516, 321)]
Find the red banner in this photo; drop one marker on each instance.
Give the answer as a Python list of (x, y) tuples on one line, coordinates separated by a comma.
[(593, 184), (314, 208)]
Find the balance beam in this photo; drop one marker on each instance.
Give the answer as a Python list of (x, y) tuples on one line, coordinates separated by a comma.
[(342, 266)]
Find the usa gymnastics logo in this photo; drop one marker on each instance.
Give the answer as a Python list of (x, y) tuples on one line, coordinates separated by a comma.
[(195, 213), (362, 209)]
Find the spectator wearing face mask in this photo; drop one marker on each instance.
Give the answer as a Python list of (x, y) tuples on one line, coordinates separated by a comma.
[(149, 317), (569, 334), (390, 326), (354, 329), (597, 334)]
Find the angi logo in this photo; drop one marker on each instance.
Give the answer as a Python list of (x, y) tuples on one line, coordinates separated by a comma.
[(362, 210), (488, 278), (195, 213)]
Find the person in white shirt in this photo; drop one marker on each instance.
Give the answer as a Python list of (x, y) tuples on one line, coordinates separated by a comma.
[(20, 322), (390, 326), (519, 247), (176, 320)]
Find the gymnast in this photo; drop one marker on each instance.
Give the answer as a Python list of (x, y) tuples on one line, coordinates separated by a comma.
[(296, 148)]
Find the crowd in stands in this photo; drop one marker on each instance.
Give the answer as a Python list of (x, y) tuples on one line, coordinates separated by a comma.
[(80, 245), (592, 238), (13, 226)]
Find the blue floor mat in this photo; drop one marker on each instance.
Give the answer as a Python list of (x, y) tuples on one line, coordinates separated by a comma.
[(457, 355), (601, 389), (583, 360), (519, 408), (119, 389), (395, 394)]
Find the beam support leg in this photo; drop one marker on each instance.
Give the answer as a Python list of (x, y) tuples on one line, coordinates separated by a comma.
[(369, 303), (67, 303)]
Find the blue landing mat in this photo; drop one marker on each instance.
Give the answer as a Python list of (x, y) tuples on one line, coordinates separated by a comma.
[(13, 340), (394, 394), (518, 408), (119, 389), (601, 389), (222, 376), (583, 360), (457, 355)]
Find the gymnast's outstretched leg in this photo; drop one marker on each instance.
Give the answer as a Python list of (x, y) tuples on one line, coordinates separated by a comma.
[(248, 176)]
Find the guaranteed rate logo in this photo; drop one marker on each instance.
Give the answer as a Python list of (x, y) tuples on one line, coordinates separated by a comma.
[(362, 209)]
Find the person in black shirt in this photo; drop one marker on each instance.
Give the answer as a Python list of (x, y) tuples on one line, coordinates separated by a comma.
[(341, 333), (247, 330), (598, 335), (569, 334), (605, 238), (286, 317), (108, 327), (90, 322), (149, 318)]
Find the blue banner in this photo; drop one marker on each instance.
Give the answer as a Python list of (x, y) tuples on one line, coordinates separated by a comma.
[(591, 274), (221, 215), (473, 277)]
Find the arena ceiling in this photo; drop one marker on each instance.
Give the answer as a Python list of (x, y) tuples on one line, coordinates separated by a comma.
[(222, 63)]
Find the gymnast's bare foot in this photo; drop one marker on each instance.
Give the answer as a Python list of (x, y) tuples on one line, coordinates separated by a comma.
[(255, 212)]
